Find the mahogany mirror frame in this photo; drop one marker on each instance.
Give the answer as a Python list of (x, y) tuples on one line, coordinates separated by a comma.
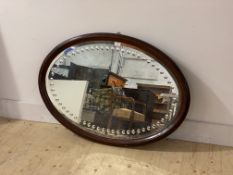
[(162, 58)]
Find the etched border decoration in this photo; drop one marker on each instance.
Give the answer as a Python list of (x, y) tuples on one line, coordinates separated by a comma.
[(116, 83)]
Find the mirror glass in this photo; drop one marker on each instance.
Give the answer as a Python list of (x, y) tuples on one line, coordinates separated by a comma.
[(112, 89)]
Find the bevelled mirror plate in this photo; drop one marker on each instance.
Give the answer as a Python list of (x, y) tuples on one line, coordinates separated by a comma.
[(114, 89)]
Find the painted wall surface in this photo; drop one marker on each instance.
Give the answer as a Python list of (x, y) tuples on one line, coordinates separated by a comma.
[(198, 35)]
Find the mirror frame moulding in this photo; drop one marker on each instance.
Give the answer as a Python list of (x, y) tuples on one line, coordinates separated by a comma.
[(148, 49)]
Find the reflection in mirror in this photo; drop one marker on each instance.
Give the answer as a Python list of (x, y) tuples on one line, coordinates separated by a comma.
[(112, 89)]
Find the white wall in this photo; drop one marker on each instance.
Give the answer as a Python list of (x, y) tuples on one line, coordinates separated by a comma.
[(198, 35)]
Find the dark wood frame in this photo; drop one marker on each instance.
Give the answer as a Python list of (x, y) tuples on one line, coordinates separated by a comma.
[(162, 58)]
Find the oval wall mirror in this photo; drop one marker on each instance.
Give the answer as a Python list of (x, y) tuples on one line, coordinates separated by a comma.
[(114, 89)]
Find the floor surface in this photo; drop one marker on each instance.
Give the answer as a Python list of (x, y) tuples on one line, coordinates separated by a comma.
[(34, 148)]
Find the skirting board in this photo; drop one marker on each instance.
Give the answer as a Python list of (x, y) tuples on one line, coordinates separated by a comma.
[(190, 130), (25, 111)]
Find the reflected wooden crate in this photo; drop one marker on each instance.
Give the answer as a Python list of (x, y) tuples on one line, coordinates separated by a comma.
[(127, 114)]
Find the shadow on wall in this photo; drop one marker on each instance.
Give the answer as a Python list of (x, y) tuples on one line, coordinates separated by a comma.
[(206, 105), (8, 86)]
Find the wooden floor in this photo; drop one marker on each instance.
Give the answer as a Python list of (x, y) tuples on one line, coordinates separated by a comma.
[(32, 148)]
